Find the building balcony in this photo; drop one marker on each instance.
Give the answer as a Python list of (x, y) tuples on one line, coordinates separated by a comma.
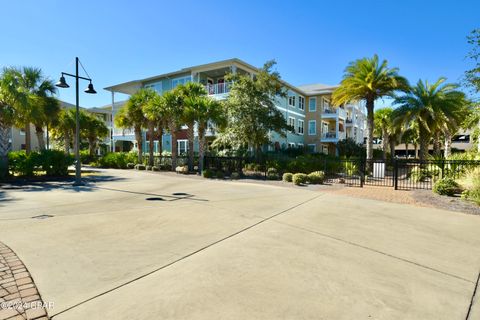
[(332, 136), (220, 89), (334, 113)]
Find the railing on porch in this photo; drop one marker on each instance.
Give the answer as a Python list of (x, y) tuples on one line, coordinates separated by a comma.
[(219, 88)]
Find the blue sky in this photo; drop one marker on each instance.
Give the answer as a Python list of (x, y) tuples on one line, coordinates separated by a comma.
[(312, 41)]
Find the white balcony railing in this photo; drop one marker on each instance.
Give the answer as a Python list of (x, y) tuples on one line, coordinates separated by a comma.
[(340, 112), (219, 88), (332, 135)]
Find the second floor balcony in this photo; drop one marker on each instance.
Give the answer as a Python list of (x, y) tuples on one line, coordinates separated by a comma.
[(332, 136), (218, 88), (334, 113)]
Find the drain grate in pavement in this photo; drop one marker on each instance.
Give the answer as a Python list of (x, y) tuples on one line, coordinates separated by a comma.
[(42, 216), (155, 199)]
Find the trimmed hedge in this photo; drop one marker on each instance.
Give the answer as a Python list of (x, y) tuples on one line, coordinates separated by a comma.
[(48, 162), (287, 177), (299, 179), (117, 160), (316, 177)]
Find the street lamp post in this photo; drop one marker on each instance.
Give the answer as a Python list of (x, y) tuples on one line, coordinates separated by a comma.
[(63, 84)]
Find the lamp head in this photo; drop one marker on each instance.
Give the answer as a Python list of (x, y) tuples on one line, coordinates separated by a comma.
[(90, 89), (62, 83)]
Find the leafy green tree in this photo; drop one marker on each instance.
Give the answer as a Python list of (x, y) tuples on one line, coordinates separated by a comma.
[(251, 110), (368, 79), (44, 114), (383, 121), (191, 113), (63, 128), (93, 130), (431, 106), (349, 148), (472, 76), (132, 116), (156, 115)]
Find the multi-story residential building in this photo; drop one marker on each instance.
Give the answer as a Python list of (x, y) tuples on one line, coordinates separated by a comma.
[(306, 108)]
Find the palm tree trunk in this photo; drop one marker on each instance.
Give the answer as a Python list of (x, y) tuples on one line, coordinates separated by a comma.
[(160, 139), (139, 138), (201, 147), (370, 126), (384, 143), (28, 139), (91, 146), (424, 138), (41, 140), (151, 132), (448, 144), (437, 152), (67, 143), (4, 149), (173, 133), (191, 139), (392, 149)]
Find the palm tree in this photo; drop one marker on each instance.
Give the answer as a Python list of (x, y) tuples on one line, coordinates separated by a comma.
[(207, 112), (367, 79), (43, 115), (191, 91), (384, 128), (173, 108), (93, 130), (431, 107), (63, 128), (11, 96), (132, 116), (155, 113), (38, 88)]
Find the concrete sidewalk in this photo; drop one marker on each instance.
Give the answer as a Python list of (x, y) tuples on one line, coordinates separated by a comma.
[(228, 250)]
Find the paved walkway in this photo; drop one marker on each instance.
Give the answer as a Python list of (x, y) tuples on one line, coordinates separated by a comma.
[(19, 298), (139, 245)]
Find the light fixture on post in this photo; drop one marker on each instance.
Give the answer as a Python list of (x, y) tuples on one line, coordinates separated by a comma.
[(63, 84)]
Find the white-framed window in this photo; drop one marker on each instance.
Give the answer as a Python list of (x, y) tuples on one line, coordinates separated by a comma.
[(312, 127), (312, 147), (291, 122), (300, 145), (291, 145), (22, 131), (301, 125), (157, 86), (301, 103), (291, 101), (326, 104), (182, 146), (312, 104)]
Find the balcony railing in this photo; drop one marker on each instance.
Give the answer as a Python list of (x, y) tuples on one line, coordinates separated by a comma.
[(332, 135), (219, 88), (335, 111)]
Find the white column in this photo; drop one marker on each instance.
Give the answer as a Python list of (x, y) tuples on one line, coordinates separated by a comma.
[(337, 127), (112, 141)]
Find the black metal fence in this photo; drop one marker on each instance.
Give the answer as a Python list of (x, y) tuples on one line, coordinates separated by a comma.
[(400, 174)]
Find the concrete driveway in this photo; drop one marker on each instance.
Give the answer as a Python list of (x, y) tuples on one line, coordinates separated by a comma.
[(234, 250)]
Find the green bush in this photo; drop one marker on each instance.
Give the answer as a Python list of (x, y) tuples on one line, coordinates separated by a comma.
[(287, 177), (155, 168), (316, 177), (273, 176), (446, 187), (86, 158), (149, 168), (130, 165), (235, 176), (220, 175), (208, 173), (48, 162), (299, 179), (419, 174), (117, 160), (140, 166)]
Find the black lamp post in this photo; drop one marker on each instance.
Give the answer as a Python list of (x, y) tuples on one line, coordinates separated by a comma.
[(63, 84)]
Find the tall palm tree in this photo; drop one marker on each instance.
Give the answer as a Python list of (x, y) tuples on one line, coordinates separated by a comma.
[(431, 107), (384, 128), (367, 79), (63, 128), (191, 91), (208, 111), (93, 130), (156, 115), (44, 115), (173, 107), (38, 88), (132, 116), (11, 96)]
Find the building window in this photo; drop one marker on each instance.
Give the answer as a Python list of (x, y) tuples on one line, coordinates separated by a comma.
[(182, 146), (291, 145), (182, 80), (300, 126), (301, 103), (291, 101), (326, 104), (312, 104), (312, 127), (312, 147), (291, 123)]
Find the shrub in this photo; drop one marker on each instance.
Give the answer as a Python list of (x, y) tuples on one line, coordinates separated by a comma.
[(235, 176), (316, 177), (130, 165), (273, 176), (207, 173), (272, 171), (220, 175), (51, 162), (446, 187), (149, 168), (155, 168), (181, 169), (287, 177), (299, 179), (117, 160), (86, 158), (140, 167)]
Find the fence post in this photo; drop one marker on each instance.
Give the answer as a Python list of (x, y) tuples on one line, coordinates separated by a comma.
[(395, 174), (362, 172)]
